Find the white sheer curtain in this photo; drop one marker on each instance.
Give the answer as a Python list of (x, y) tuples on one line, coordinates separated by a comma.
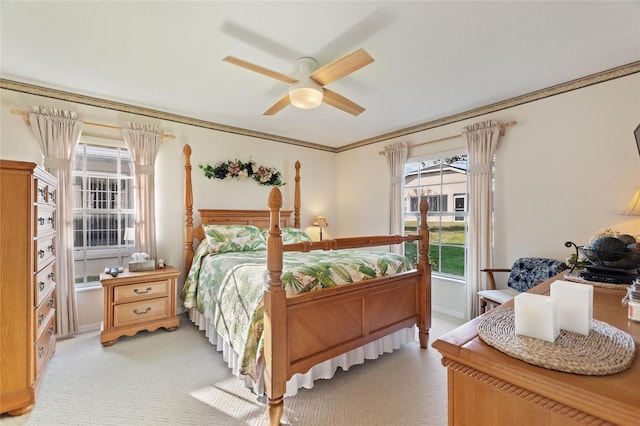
[(143, 142), (396, 156), (58, 133), (482, 142)]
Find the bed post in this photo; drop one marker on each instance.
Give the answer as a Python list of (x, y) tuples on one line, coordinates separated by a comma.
[(296, 198), (275, 321), (188, 209), (424, 267)]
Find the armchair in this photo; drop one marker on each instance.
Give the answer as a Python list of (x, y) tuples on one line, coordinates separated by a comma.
[(525, 273)]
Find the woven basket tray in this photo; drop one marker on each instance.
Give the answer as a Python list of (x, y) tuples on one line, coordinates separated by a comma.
[(606, 350)]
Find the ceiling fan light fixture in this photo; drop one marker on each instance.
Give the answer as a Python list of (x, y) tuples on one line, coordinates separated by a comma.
[(306, 94)]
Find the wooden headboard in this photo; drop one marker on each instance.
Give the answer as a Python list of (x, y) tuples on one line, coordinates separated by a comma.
[(259, 218)]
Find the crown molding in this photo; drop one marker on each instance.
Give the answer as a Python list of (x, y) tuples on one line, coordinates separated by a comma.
[(579, 83), (148, 112)]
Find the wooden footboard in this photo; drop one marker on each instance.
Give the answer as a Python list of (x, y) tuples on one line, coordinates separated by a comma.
[(322, 326), (304, 330)]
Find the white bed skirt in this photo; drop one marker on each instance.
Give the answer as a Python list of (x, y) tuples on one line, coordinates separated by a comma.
[(324, 370)]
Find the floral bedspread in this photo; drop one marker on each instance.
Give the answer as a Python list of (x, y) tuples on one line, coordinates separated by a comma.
[(228, 288)]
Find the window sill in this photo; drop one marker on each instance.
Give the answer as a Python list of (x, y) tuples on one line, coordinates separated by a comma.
[(449, 278), (88, 286)]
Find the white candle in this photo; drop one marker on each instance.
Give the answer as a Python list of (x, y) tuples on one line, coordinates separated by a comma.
[(536, 316), (575, 305)]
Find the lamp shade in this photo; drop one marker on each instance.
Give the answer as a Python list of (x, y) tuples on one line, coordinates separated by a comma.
[(306, 94), (129, 234), (633, 209), (321, 221)]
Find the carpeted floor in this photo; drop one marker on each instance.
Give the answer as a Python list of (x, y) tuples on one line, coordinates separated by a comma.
[(178, 378)]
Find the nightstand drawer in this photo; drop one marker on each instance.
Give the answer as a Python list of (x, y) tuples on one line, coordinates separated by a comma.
[(134, 292), (146, 310)]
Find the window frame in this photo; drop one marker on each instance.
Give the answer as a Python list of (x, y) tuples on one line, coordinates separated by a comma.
[(87, 257), (437, 215)]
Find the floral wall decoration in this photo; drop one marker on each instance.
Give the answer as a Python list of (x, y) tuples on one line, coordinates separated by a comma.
[(236, 169)]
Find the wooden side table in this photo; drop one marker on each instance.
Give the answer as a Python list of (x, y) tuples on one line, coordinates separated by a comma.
[(135, 301)]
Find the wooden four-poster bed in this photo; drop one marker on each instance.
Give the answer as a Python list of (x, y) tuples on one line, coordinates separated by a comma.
[(303, 330)]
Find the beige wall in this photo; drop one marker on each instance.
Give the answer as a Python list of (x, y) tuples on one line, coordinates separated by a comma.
[(562, 173)]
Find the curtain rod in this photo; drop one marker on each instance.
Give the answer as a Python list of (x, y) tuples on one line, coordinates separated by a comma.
[(502, 128), (25, 117)]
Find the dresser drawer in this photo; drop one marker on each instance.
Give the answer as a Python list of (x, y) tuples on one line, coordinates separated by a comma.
[(46, 194), (45, 250), (44, 282), (135, 292), (45, 217), (146, 310), (45, 345), (44, 312)]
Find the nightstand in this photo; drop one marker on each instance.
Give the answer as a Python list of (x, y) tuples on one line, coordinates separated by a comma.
[(135, 301)]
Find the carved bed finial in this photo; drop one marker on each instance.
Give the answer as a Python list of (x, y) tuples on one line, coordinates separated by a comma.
[(275, 198)]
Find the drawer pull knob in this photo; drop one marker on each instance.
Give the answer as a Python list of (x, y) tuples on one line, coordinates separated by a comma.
[(51, 303), (50, 220), (136, 291), (52, 275), (52, 195), (40, 319), (135, 311), (51, 331), (42, 191), (40, 351), (51, 248), (40, 254), (41, 286), (41, 220)]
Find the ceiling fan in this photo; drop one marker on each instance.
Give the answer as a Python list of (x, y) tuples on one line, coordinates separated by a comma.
[(308, 91)]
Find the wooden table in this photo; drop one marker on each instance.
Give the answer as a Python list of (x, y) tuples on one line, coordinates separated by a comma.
[(488, 387), (135, 301)]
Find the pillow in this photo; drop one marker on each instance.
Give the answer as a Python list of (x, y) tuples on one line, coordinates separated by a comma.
[(230, 238), (526, 272), (290, 235)]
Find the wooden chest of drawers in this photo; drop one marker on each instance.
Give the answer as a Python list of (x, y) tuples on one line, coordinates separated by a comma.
[(135, 301), (27, 281)]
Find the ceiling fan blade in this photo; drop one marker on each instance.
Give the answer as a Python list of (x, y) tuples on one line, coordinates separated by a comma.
[(260, 70), (340, 102), (279, 105), (341, 67)]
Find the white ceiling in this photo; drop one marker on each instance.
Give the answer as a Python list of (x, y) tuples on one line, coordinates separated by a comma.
[(432, 59)]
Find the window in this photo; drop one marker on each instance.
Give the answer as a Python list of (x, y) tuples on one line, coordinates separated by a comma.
[(103, 212), (459, 205), (443, 183)]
